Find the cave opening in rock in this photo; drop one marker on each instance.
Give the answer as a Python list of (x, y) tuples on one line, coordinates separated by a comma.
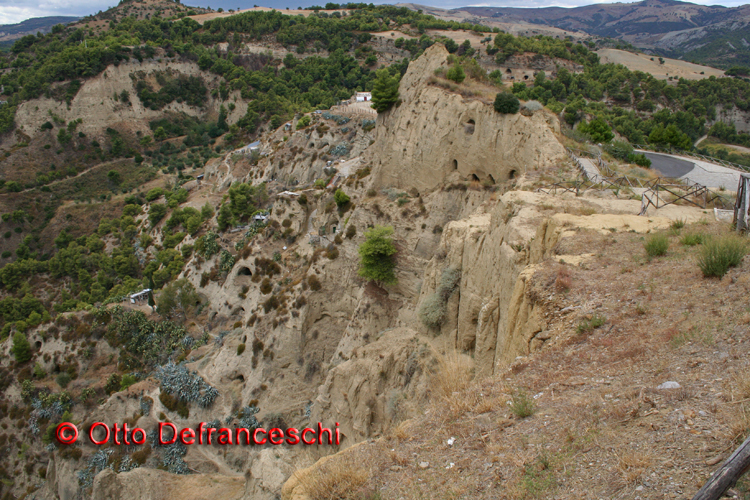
[(244, 271), (492, 179), (512, 174), (455, 164), (474, 177), (469, 127)]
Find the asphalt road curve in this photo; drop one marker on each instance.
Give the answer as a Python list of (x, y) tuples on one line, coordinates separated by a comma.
[(669, 166)]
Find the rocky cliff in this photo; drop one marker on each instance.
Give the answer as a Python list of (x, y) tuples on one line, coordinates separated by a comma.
[(435, 136)]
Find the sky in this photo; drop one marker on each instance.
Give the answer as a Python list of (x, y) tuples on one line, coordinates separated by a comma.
[(15, 11)]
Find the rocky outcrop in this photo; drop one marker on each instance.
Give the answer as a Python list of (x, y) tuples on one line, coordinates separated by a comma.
[(435, 136), (376, 387), (491, 314)]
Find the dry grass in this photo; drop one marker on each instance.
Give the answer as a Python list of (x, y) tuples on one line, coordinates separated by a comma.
[(453, 374), (337, 479)]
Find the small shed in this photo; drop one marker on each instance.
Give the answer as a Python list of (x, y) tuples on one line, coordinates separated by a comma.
[(139, 297), (363, 96)]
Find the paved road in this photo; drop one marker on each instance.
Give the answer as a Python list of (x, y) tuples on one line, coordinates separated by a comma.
[(669, 166), (697, 171)]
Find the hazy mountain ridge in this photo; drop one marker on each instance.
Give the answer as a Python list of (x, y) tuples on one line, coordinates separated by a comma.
[(706, 34), (32, 26)]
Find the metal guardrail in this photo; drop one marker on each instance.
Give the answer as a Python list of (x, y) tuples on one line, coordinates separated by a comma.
[(689, 154)]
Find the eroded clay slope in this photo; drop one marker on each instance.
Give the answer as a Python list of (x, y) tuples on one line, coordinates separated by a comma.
[(435, 136)]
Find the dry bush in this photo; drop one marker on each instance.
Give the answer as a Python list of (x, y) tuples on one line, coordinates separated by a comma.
[(739, 386), (563, 281), (453, 373), (632, 466), (336, 479)]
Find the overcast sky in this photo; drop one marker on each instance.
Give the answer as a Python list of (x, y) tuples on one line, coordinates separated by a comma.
[(15, 11)]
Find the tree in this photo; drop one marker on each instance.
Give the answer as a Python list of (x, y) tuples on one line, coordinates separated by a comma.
[(451, 46), (376, 254), (225, 217), (341, 198), (384, 91), (156, 213), (160, 134), (597, 129), (507, 103), (456, 73), (21, 348), (114, 177), (177, 299)]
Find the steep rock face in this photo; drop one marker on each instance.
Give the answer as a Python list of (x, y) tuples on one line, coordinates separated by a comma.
[(435, 136), (739, 118), (376, 387), (491, 313)]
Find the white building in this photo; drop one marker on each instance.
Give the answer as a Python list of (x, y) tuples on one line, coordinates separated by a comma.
[(363, 96)]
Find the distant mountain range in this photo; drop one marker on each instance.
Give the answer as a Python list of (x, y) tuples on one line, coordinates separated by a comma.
[(11, 32), (714, 35)]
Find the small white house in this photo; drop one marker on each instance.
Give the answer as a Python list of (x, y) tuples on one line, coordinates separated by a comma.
[(364, 96), (140, 296)]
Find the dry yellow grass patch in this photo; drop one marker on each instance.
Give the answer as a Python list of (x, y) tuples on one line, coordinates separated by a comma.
[(336, 479)]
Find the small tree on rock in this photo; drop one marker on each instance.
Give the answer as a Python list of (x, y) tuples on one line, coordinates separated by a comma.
[(384, 91), (507, 103), (341, 198), (376, 254)]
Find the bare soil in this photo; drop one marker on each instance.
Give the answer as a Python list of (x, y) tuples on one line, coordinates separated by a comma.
[(671, 67)]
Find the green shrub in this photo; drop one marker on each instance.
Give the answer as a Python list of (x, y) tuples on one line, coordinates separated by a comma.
[(303, 122), (656, 245), (21, 348), (692, 239), (619, 149), (127, 380), (677, 224), (521, 404), (507, 103), (432, 311), (63, 380), (341, 198), (719, 254), (456, 73), (240, 349), (351, 231), (639, 159), (591, 324), (377, 262)]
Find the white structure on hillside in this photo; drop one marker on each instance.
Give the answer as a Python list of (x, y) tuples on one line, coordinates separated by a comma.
[(140, 296), (253, 146), (363, 96)]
